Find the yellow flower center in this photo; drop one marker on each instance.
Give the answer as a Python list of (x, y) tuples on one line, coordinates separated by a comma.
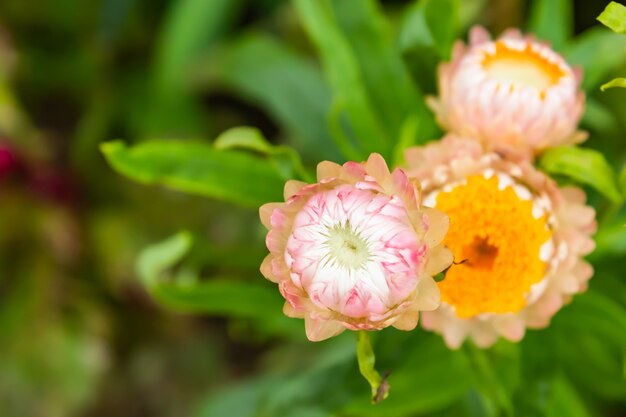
[(525, 67), (496, 242)]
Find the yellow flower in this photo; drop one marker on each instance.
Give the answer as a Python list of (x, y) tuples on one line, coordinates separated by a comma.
[(517, 239)]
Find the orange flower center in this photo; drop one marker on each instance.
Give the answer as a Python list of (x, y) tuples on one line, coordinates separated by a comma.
[(525, 67), (496, 242)]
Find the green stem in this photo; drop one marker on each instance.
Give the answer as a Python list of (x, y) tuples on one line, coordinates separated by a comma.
[(367, 360)]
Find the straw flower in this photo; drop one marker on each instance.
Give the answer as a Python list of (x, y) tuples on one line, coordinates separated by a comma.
[(517, 239), (354, 250), (515, 94)]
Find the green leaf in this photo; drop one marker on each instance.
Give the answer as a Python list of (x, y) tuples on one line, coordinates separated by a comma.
[(408, 137), (428, 31), (614, 17), (393, 94), (191, 27), (301, 383), (564, 400), (157, 258), (373, 90), (341, 67), (336, 124), (600, 118), (244, 138), (222, 296), (242, 400), (288, 86), (584, 165), (488, 380), (367, 360), (598, 323), (250, 138), (610, 241), (599, 52), (470, 12), (616, 82), (551, 20), (433, 24), (186, 293), (199, 168)]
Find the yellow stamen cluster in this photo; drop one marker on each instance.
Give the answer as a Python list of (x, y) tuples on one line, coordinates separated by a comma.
[(496, 242), (525, 66)]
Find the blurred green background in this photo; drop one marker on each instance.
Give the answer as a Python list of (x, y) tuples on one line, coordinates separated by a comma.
[(88, 330)]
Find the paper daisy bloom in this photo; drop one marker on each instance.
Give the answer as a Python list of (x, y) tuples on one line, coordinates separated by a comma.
[(514, 94), (517, 239), (354, 250)]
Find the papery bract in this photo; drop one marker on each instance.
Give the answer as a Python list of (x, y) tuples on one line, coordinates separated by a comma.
[(514, 94), (517, 238), (354, 250)]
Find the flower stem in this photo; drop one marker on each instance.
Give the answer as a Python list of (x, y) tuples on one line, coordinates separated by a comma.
[(367, 360)]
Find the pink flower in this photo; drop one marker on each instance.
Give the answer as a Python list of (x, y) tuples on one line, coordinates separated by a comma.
[(355, 250), (518, 241), (515, 94)]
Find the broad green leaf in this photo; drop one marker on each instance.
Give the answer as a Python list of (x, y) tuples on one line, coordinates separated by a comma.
[(341, 66), (243, 400), (304, 384), (428, 31), (191, 27), (538, 366), (599, 324), (470, 12), (610, 239), (287, 85), (184, 292), (317, 379), (431, 23), (598, 51), (243, 138), (564, 400), (199, 168), (157, 258), (488, 381), (616, 82), (622, 180), (392, 92), (337, 126), (600, 118), (250, 138), (614, 17), (408, 137), (250, 399), (551, 20), (442, 18), (583, 165), (222, 296)]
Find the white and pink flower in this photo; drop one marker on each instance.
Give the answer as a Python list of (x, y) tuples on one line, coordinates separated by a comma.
[(355, 250), (515, 94)]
